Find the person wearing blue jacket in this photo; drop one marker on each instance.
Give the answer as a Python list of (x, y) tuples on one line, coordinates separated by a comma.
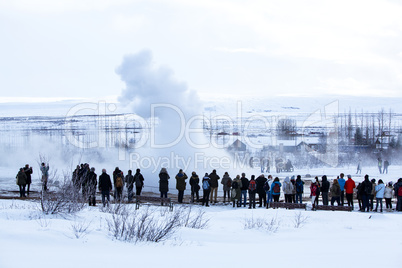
[(342, 182), (379, 194), (276, 189)]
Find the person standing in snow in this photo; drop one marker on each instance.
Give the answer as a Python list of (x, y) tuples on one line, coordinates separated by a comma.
[(388, 196), (195, 187), (227, 185), (163, 183), (262, 196), (335, 191), (45, 175), (28, 172), (341, 182), (276, 189), (386, 165), (318, 192), (313, 193), (287, 190), (118, 183), (214, 186), (244, 189), (372, 195), (252, 190), (139, 181), (349, 186), (105, 186), (91, 187), (129, 181), (206, 188), (324, 190), (181, 178), (299, 185), (398, 194), (21, 181), (379, 194), (236, 191), (359, 168), (366, 188), (379, 164)]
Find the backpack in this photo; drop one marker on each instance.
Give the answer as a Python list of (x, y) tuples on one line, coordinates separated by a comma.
[(251, 185), (266, 186), (299, 187), (205, 185), (277, 188), (229, 183), (235, 185), (119, 181), (400, 191)]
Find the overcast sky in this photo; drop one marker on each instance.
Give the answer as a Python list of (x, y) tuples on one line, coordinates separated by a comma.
[(72, 48)]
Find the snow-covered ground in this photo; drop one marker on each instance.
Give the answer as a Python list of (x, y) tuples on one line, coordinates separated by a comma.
[(323, 239)]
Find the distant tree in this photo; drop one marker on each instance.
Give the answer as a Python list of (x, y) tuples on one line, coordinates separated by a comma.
[(359, 137), (286, 127)]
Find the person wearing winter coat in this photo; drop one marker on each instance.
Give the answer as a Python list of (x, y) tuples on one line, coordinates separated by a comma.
[(105, 186), (227, 185), (379, 194), (195, 187), (244, 189), (214, 186), (388, 196), (398, 194), (181, 178), (365, 190), (342, 182), (129, 181), (299, 186), (317, 181), (91, 187), (349, 186), (236, 191), (206, 188), (379, 164), (287, 190), (45, 175), (335, 191), (262, 196), (313, 193), (276, 189), (267, 187), (324, 190), (21, 181), (139, 182), (28, 172), (118, 183), (386, 165), (372, 195), (163, 183), (252, 190), (293, 181)]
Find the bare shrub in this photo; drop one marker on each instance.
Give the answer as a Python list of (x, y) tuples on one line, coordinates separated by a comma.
[(271, 225), (137, 226), (299, 220), (65, 199), (80, 229), (194, 220)]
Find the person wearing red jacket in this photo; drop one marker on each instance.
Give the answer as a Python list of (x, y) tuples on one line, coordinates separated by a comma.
[(349, 186)]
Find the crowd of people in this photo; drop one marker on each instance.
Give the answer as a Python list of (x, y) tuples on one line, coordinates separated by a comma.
[(237, 191)]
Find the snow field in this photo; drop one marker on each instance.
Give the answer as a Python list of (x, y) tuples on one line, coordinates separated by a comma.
[(325, 239)]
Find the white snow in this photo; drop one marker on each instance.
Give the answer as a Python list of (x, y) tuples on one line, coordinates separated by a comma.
[(326, 239)]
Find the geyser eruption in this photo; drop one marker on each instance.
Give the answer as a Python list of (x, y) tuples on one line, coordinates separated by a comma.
[(176, 139)]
